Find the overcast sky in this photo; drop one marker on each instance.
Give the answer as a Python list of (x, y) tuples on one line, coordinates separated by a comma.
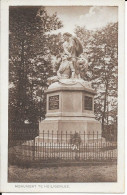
[(90, 17)]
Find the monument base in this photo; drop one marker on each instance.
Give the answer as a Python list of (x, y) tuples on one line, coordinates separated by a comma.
[(69, 110), (63, 128)]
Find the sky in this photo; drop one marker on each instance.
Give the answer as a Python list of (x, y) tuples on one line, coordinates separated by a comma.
[(92, 17)]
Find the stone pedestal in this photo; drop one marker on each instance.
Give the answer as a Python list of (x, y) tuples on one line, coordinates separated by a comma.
[(70, 109)]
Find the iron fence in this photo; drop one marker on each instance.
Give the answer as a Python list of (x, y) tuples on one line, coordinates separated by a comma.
[(18, 134), (63, 147)]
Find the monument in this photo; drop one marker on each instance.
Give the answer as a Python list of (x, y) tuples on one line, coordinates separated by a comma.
[(70, 99)]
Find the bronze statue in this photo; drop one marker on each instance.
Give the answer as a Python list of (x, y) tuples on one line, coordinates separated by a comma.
[(73, 61), (73, 48)]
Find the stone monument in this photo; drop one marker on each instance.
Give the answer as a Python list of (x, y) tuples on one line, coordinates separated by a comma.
[(70, 99)]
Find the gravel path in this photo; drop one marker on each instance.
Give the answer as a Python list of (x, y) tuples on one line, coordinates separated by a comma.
[(98, 173)]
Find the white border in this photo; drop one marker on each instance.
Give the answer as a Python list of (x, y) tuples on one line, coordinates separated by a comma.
[(117, 187)]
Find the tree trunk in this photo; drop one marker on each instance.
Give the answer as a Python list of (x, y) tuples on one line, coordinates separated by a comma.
[(21, 90)]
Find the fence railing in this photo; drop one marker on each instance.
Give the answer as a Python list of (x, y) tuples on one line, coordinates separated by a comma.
[(16, 135), (67, 146)]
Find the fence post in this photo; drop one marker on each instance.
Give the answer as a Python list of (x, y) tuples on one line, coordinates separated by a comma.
[(57, 137), (52, 138), (34, 149), (66, 137), (48, 136), (61, 137), (84, 137)]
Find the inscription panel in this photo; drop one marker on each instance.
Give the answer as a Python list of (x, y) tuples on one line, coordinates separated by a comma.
[(88, 103), (54, 102)]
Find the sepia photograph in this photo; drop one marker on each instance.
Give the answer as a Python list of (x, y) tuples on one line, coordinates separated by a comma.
[(60, 58), (63, 97)]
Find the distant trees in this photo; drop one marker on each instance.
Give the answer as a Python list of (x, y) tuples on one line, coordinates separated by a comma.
[(101, 47), (29, 61)]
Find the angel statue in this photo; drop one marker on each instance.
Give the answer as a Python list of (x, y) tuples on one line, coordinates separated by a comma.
[(72, 62), (73, 48)]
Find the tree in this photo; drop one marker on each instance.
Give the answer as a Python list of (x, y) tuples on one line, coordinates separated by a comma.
[(101, 47), (29, 61)]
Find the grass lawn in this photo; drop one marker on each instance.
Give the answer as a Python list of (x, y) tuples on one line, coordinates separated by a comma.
[(96, 173)]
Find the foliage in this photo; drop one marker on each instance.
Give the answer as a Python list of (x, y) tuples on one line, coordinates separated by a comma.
[(29, 61), (101, 47)]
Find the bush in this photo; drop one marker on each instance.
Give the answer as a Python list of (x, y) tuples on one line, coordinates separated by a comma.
[(75, 139)]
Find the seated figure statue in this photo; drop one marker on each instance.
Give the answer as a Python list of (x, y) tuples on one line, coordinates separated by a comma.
[(65, 71), (81, 65)]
